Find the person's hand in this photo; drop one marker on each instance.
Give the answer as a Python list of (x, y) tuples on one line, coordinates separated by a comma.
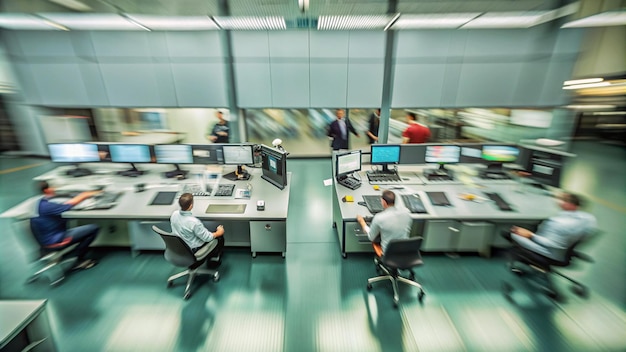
[(360, 220), (212, 138), (219, 231), (520, 231), (89, 194)]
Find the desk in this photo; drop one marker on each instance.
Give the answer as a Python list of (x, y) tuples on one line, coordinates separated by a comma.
[(129, 223), (24, 323), (464, 226)]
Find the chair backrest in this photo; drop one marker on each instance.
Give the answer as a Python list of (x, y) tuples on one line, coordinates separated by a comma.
[(177, 251), (26, 239), (572, 251), (403, 253)]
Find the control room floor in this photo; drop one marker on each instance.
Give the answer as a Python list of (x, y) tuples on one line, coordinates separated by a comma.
[(314, 300)]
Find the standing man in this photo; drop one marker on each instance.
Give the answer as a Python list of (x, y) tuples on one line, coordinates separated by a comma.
[(374, 122), (220, 131), (390, 224), (416, 132), (339, 129), (50, 228), (193, 232)]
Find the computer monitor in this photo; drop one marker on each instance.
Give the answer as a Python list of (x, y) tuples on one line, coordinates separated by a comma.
[(442, 155), (130, 153), (545, 167), (496, 155), (385, 154), (238, 154), (412, 154), (174, 154), (274, 166), (471, 153), (347, 163), (74, 153), (207, 154)]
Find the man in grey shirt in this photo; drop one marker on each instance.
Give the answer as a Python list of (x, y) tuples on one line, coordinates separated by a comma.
[(390, 224)]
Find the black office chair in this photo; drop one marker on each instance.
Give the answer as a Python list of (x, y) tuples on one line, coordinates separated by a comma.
[(178, 253), (49, 261), (539, 268), (401, 254)]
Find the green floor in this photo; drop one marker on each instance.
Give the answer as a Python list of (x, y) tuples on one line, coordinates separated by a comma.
[(314, 300)]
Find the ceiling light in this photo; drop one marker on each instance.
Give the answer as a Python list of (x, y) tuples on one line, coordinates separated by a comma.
[(506, 20), (609, 113), (173, 23), (250, 23), (443, 20), (352, 22), (604, 19), (583, 81), (134, 21), (92, 21), (392, 22), (587, 85), (590, 106), (24, 21), (72, 5)]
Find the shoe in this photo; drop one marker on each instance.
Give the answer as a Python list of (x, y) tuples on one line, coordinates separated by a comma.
[(85, 264), (214, 262)]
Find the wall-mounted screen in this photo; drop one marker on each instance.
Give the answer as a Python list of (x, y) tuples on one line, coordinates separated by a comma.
[(130, 153), (173, 154), (500, 153), (383, 154), (274, 166), (347, 163), (443, 154), (73, 152), (237, 154), (207, 154)]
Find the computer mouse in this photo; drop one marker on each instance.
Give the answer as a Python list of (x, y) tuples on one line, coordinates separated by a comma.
[(362, 203)]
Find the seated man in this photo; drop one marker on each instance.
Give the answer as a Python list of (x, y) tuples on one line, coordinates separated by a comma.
[(557, 233), (390, 224), (193, 232), (51, 230)]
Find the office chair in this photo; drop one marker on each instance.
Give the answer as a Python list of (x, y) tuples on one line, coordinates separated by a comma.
[(542, 268), (178, 253), (49, 261), (401, 254)]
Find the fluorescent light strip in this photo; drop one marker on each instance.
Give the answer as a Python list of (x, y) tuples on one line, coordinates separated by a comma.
[(604, 19), (352, 22), (506, 20), (391, 23), (444, 20), (587, 85), (251, 23), (610, 113), (135, 22), (583, 81), (590, 106), (176, 23)]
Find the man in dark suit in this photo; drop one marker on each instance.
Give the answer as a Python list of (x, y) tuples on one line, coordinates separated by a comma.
[(339, 130)]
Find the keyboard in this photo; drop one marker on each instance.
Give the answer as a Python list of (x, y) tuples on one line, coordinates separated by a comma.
[(225, 190), (105, 200), (494, 176), (373, 203), (381, 177), (349, 182), (195, 190), (414, 203), (501, 203)]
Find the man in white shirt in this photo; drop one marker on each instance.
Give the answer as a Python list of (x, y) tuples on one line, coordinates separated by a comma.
[(193, 232)]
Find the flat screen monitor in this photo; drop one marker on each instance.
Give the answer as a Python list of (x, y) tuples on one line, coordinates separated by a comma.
[(207, 154), (384, 154), (237, 154), (471, 153), (173, 154), (73, 152), (500, 153), (130, 153), (274, 166), (412, 154), (347, 163), (443, 154)]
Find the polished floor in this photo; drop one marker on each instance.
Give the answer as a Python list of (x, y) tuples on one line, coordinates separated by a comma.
[(314, 300)]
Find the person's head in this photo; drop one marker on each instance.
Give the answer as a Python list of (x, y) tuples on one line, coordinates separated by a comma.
[(410, 116), (340, 113), (186, 201), (45, 188), (220, 115), (388, 199), (378, 112), (569, 201)]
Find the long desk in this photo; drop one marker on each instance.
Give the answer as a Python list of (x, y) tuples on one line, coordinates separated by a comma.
[(130, 222), (25, 324), (464, 226)]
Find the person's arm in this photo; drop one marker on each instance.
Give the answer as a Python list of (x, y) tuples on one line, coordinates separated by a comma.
[(363, 224), (372, 136), (352, 129), (541, 240), (405, 136), (81, 197)]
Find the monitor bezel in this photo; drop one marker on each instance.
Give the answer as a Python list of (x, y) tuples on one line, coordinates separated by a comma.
[(116, 145), (508, 145), (340, 155), (249, 146), (382, 146), (156, 147), (458, 157), (73, 161)]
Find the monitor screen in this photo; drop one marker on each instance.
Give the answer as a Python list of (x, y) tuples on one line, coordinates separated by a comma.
[(207, 154), (412, 154), (274, 166), (471, 153), (130, 153), (237, 154), (73, 152), (443, 154), (348, 163), (500, 153), (173, 154), (383, 154)]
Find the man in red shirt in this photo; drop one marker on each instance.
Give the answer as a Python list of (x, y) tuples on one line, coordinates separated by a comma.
[(416, 132)]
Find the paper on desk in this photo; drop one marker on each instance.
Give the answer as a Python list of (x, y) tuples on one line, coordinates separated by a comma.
[(328, 182)]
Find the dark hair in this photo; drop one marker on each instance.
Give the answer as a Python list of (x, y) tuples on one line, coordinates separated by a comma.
[(389, 197), (42, 186), (572, 199), (185, 201), (412, 114)]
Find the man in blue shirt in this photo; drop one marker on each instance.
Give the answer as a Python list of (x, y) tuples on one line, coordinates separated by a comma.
[(50, 228), (193, 232)]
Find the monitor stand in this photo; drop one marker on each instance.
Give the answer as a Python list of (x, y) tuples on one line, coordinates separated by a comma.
[(132, 172), (439, 174), (178, 173), (78, 171), (239, 175), (494, 171)]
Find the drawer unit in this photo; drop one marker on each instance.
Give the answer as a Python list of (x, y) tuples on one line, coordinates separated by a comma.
[(268, 236)]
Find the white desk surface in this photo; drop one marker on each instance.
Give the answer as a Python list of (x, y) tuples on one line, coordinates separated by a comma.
[(16, 315)]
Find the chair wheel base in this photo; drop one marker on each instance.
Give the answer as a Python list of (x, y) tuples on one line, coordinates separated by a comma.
[(216, 277), (369, 287), (170, 284), (420, 296), (187, 295)]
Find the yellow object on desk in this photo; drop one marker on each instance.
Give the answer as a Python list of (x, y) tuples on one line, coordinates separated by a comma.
[(376, 187), (467, 196)]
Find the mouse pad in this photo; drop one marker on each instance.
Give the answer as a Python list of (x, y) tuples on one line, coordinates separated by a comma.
[(163, 198), (226, 209)]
